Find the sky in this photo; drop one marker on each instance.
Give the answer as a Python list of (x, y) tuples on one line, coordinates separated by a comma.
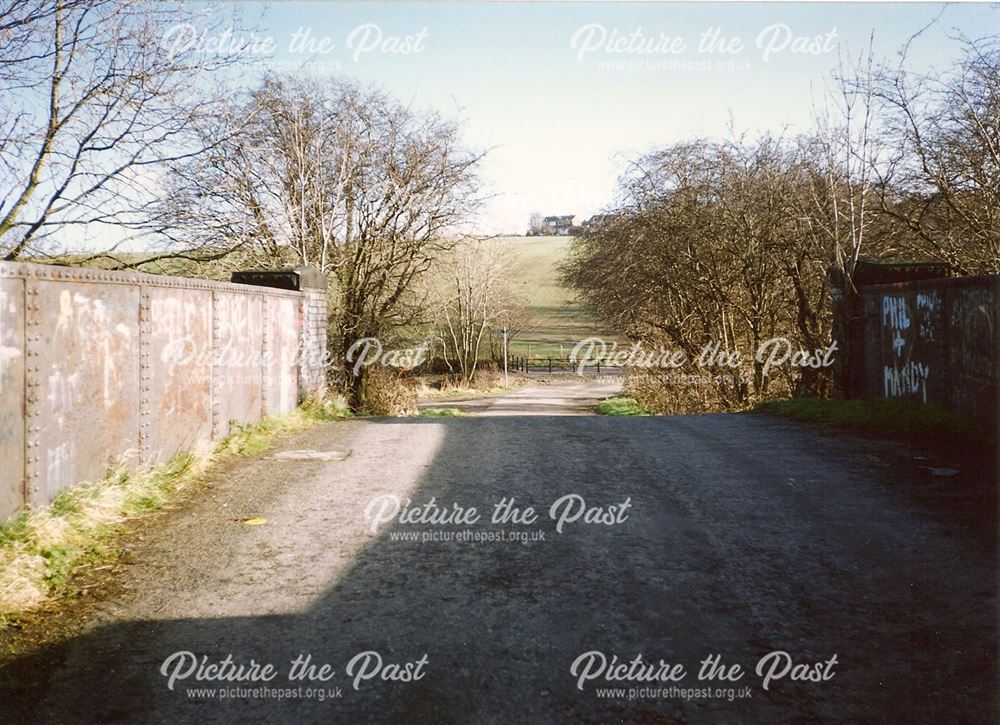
[(562, 95)]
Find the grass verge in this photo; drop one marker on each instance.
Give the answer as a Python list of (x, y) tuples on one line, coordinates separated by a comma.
[(41, 548), (440, 413), (620, 406), (927, 422)]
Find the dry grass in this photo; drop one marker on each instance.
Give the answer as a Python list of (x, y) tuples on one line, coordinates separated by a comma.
[(486, 381), (253, 439), (42, 547)]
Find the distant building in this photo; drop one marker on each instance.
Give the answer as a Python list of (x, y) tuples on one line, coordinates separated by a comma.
[(596, 220), (558, 225)]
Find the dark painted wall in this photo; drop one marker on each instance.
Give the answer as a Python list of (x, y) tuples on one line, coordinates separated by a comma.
[(933, 341)]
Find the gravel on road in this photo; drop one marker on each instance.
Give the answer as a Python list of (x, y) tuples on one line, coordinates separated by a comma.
[(729, 535)]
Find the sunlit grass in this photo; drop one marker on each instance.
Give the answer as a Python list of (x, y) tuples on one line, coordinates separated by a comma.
[(41, 548), (440, 413), (620, 406), (880, 416), (556, 319)]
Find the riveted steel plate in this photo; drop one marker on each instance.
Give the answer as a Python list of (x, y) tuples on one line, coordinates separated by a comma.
[(177, 371), (238, 342), (85, 347), (11, 395), (280, 367)]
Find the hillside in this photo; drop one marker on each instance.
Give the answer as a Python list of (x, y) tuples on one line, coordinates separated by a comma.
[(557, 321)]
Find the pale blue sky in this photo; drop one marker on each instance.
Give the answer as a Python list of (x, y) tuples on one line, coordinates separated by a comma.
[(560, 128)]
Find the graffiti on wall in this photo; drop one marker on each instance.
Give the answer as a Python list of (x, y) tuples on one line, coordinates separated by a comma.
[(909, 330), (87, 379), (932, 341)]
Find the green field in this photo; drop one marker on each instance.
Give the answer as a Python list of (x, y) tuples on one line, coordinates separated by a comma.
[(556, 321)]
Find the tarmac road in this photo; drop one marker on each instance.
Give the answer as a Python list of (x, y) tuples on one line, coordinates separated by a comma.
[(551, 394), (735, 535)]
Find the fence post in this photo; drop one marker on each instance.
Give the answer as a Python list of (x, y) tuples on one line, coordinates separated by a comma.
[(550, 365)]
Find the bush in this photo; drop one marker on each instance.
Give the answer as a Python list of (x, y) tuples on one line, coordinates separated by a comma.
[(385, 391), (666, 395), (487, 377), (691, 390)]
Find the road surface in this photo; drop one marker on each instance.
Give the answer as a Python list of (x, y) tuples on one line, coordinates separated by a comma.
[(551, 394), (730, 535)]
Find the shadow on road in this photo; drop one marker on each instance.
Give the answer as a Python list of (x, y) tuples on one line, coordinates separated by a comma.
[(746, 535)]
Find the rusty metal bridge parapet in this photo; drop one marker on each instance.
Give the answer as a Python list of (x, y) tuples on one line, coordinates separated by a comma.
[(99, 367)]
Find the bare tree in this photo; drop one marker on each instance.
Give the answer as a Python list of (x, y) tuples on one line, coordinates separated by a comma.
[(838, 160), (740, 240), (535, 224), (94, 107), (837, 217), (476, 294), (943, 180), (271, 189), (342, 177), (710, 244)]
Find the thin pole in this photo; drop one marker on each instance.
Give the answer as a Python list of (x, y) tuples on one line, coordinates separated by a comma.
[(505, 381)]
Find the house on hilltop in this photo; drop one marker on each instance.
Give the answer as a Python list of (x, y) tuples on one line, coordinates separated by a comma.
[(558, 225)]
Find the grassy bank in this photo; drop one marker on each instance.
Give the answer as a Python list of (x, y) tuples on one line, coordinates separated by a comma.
[(620, 406), (556, 319), (891, 417), (41, 548), (440, 413)]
